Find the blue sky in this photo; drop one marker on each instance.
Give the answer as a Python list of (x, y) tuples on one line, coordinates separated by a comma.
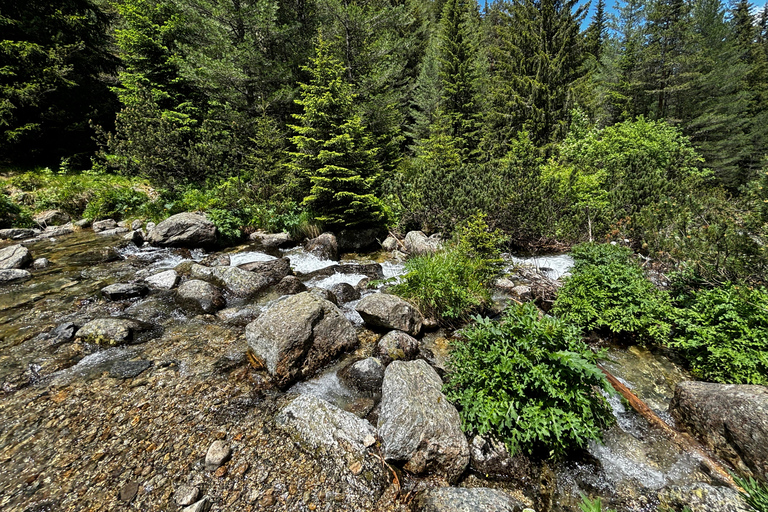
[(611, 4)]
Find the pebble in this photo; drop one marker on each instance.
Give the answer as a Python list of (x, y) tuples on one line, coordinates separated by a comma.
[(129, 491), (217, 454), (186, 495), (41, 263)]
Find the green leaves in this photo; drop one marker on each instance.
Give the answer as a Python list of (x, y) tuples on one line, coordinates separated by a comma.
[(530, 381), (606, 291)]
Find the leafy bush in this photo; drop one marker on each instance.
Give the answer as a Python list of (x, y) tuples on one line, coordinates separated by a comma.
[(608, 291), (454, 283), (529, 381), (12, 214), (722, 332)]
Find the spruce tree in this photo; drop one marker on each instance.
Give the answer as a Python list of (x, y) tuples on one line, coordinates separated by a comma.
[(596, 32), (334, 156)]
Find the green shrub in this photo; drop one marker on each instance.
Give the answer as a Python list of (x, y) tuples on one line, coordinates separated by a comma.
[(529, 381), (723, 334), (12, 214), (228, 224), (608, 291), (454, 283), (119, 202), (596, 505)]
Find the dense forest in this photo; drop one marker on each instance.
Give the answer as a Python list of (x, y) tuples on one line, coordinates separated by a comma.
[(648, 126)]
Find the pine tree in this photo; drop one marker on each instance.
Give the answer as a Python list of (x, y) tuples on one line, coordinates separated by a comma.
[(596, 32), (334, 152)]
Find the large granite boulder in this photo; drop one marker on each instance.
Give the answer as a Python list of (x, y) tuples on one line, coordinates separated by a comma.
[(390, 312), (731, 419), (701, 497), (166, 280), (324, 247), (52, 218), (112, 331), (124, 291), (273, 270), (239, 282), (461, 499), (396, 346), (299, 335), (183, 230), (17, 233), (417, 424), (272, 239), (13, 274), (417, 243), (200, 296), (14, 256), (331, 434)]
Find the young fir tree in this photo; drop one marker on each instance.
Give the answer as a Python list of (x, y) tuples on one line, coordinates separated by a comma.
[(334, 153), (596, 32)]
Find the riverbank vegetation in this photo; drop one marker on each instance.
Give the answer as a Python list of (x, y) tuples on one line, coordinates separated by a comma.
[(646, 129)]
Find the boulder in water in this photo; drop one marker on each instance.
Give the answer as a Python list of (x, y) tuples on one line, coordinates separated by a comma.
[(17, 233), (298, 336), (345, 292), (365, 375), (183, 230), (397, 346), (731, 419), (474, 499), (166, 280), (123, 291), (324, 247), (417, 424), (13, 274), (279, 240), (701, 497), (200, 296), (103, 225), (112, 331), (14, 256), (390, 312), (290, 285)]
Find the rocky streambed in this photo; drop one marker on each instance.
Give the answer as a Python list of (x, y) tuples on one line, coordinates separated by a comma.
[(271, 377)]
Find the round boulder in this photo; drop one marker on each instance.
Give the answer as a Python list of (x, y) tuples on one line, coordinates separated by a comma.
[(365, 375), (183, 230), (390, 312), (14, 256), (345, 292), (324, 247), (200, 297), (396, 346)]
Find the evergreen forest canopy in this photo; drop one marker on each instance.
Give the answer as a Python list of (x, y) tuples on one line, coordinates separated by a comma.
[(649, 125)]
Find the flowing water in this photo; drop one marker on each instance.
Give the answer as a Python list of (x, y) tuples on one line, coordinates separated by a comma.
[(627, 469)]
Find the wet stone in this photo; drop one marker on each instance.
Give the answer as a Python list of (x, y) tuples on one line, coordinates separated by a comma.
[(345, 292), (164, 280), (14, 256), (13, 274), (103, 225), (218, 453), (186, 495), (129, 491), (41, 263), (17, 233), (128, 369), (111, 232), (123, 291)]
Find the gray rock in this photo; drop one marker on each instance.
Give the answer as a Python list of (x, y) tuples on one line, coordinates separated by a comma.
[(137, 237), (201, 506), (290, 285), (345, 292), (62, 333), (298, 336), (389, 244), (83, 223), (390, 312), (417, 243), (129, 491), (51, 218), (112, 331), (329, 433), (14, 256), (731, 419), (239, 282), (128, 369), (183, 230), (41, 263), (103, 225), (200, 296), (522, 292), (13, 274), (17, 233), (166, 280), (272, 239), (505, 284), (325, 294), (95, 256), (238, 316), (701, 497), (113, 232), (461, 499), (123, 291), (365, 375), (54, 231), (397, 346), (150, 226), (490, 457), (324, 247), (218, 453), (370, 270), (273, 271), (417, 424), (136, 225), (358, 240), (216, 260), (186, 495)]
